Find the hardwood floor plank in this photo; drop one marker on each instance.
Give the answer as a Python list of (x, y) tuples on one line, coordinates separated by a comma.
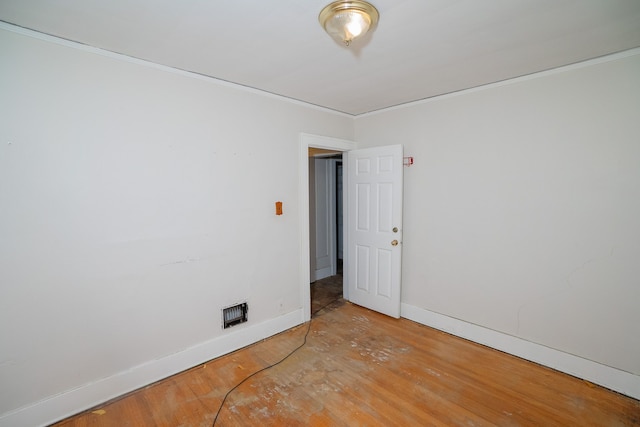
[(360, 368)]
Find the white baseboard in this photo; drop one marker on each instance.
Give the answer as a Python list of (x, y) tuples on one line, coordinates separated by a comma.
[(89, 395), (322, 273), (606, 376)]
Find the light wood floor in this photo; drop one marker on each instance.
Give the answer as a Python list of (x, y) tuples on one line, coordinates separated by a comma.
[(360, 368)]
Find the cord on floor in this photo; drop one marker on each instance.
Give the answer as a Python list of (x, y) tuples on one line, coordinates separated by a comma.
[(271, 366)]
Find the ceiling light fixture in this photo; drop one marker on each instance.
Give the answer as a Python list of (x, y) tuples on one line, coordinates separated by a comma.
[(345, 20)]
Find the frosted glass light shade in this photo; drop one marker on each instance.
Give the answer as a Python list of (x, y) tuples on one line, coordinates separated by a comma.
[(346, 20)]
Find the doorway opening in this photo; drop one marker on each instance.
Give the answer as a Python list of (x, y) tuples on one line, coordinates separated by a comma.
[(325, 228), (338, 146), (373, 227)]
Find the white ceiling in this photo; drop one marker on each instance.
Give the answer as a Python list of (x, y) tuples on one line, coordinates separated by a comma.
[(420, 49)]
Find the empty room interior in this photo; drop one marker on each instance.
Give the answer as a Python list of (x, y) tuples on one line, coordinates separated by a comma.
[(402, 212)]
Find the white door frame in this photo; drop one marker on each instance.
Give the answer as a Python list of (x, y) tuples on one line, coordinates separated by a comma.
[(315, 141)]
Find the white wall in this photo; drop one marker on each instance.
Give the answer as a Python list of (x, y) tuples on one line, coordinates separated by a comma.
[(135, 203), (522, 210)]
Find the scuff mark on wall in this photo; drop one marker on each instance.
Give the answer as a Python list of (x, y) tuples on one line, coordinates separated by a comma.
[(185, 261)]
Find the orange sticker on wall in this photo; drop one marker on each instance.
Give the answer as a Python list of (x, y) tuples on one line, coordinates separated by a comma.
[(278, 208)]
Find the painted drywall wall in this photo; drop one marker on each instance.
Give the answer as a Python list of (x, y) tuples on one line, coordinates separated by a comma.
[(522, 208), (135, 203)]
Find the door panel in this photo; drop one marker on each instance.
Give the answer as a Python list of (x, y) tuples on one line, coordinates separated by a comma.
[(374, 223), (385, 281), (363, 192), (362, 268)]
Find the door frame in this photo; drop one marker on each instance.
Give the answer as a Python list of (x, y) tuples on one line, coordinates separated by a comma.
[(328, 143)]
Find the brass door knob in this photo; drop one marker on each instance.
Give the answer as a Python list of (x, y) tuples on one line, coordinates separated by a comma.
[(394, 243)]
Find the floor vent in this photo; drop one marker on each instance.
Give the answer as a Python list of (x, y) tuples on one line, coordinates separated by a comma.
[(233, 315)]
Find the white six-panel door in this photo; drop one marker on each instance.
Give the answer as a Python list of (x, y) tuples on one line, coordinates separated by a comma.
[(374, 240)]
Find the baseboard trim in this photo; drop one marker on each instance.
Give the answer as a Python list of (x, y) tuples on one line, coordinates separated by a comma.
[(606, 376), (322, 273), (71, 402)]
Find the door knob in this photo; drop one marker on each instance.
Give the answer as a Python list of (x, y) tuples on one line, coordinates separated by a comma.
[(394, 243)]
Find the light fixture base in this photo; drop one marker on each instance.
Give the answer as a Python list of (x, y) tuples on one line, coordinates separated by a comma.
[(346, 20)]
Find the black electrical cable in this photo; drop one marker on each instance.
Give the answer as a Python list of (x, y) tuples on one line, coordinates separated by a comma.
[(270, 366)]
